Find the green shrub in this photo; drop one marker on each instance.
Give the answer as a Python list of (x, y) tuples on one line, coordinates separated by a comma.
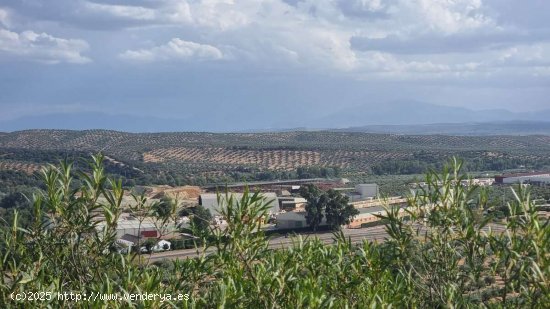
[(449, 259)]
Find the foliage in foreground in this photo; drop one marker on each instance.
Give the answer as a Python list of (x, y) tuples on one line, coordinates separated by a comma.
[(444, 255)]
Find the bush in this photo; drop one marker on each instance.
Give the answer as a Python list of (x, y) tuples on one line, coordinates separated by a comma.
[(177, 244), (443, 261)]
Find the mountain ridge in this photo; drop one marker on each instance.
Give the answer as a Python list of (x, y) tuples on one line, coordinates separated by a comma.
[(398, 113)]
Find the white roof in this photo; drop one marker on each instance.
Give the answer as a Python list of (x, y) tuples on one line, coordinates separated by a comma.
[(267, 195), (210, 200), (130, 223), (124, 242)]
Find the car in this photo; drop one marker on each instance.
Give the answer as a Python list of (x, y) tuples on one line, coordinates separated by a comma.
[(143, 250), (162, 245)]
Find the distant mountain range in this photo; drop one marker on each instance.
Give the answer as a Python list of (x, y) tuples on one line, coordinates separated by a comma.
[(94, 120), (416, 113), (400, 117), (476, 128)]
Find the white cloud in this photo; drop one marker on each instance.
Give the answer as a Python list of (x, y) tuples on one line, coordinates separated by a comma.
[(401, 37), (4, 18), (42, 47), (122, 11), (371, 5), (306, 52), (176, 49), (451, 16), (220, 15), (377, 62), (523, 56)]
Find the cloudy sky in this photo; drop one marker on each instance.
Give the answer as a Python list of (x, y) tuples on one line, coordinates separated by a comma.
[(186, 59)]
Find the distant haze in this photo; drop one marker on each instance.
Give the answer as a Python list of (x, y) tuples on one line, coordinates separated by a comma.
[(412, 117), (171, 65)]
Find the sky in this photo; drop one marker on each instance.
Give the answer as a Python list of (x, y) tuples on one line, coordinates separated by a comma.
[(189, 59)]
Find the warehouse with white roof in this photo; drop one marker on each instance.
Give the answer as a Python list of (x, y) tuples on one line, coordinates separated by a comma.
[(210, 201)]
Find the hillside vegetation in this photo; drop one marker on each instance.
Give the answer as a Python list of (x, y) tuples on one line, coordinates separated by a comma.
[(440, 256), (185, 158)]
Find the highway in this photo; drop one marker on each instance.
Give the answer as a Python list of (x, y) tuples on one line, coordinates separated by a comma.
[(371, 234)]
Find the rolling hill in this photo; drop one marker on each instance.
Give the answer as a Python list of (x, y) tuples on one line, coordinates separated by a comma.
[(185, 157)]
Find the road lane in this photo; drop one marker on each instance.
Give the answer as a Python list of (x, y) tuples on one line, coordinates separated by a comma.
[(371, 234)]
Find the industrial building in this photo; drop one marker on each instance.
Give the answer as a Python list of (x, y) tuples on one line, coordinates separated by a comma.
[(293, 220), (482, 182), (297, 219), (210, 201), (131, 226), (522, 178), (287, 184), (129, 229), (364, 192), (391, 201), (370, 214), (291, 203), (364, 198), (540, 181)]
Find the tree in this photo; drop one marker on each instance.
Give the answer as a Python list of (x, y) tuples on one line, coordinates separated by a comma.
[(332, 205), (15, 200), (140, 210), (453, 261), (163, 208), (200, 219), (338, 210), (316, 204), (165, 214)]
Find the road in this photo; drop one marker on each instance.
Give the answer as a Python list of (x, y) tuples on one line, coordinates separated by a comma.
[(371, 234)]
